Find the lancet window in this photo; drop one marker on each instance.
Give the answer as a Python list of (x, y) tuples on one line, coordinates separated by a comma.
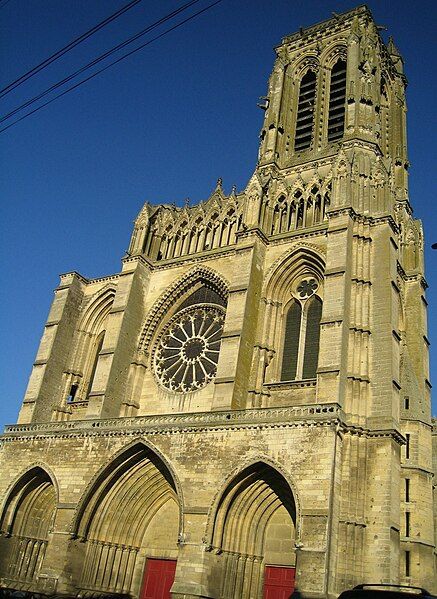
[(302, 332), (98, 344), (337, 101), (305, 112), (87, 342)]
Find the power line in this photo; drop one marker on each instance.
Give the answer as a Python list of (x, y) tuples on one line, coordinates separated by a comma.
[(2, 4), (66, 48), (113, 63), (98, 59)]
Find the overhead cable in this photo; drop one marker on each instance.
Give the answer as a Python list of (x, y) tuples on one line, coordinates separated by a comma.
[(112, 64), (65, 49), (95, 61)]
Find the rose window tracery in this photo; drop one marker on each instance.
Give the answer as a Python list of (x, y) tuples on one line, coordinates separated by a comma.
[(187, 352), (307, 287)]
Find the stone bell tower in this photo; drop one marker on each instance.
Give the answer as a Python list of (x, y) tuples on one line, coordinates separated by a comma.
[(335, 127), (245, 407)]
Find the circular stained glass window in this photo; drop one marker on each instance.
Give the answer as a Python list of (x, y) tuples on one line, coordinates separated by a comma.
[(187, 352)]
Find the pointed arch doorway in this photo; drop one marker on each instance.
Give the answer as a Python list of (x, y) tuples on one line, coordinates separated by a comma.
[(128, 524), (254, 535), (25, 525)]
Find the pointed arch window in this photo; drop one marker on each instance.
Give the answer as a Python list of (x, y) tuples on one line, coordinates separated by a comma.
[(95, 358), (312, 337), (302, 333), (291, 341), (305, 112), (337, 101)]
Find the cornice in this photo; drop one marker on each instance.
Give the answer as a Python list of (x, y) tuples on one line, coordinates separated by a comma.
[(327, 24), (314, 231), (195, 258), (285, 385), (104, 279), (375, 433), (74, 273), (411, 277), (302, 416)]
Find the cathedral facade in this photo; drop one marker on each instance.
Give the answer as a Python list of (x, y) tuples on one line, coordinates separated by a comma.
[(245, 407)]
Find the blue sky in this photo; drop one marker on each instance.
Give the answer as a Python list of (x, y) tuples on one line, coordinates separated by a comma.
[(161, 126)]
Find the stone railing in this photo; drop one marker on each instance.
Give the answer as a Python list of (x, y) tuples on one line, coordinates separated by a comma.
[(307, 414)]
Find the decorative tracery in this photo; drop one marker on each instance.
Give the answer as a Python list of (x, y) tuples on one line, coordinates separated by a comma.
[(302, 332), (187, 353), (297, 210)]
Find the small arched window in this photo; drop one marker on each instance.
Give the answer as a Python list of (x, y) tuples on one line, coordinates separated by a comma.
[(305, 112), (337, 101), (302, 333)]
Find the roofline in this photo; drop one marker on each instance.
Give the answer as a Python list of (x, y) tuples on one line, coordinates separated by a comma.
[(361, 9)]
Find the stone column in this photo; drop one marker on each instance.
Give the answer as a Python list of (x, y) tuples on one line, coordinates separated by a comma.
[(191, 580), (56, 573)]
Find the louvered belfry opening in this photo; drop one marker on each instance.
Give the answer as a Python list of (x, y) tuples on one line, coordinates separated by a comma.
[(305, 112), (337, 99)]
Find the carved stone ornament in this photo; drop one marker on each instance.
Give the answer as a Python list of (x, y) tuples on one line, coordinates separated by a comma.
[(307, 287)]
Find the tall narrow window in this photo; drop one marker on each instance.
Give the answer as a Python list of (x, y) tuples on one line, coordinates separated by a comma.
[(311, 355), (302, 333), (337, 100), (407, 446), (407, 524), (291, 342), (305, 112), (407, 563), (97, 347), (407, 489)]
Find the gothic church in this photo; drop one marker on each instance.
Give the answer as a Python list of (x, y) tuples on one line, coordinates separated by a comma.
[(245, 407)]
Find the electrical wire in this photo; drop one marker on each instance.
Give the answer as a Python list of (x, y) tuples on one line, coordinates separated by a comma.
[(66, 48), (4, 3), (98, 59), (113, 63)]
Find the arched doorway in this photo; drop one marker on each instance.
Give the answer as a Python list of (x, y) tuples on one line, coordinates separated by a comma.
[(130, 518), (25, 525), (253, 536)]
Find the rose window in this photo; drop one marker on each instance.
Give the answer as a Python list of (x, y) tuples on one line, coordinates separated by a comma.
[(307, 287), (187, 352)]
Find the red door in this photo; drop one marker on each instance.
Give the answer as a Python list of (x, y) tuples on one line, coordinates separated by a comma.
[(158, 578), (278, 582)]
